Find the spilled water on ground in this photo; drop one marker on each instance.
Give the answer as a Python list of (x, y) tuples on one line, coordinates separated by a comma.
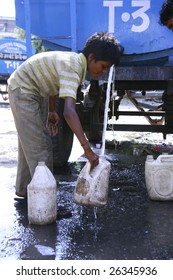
[(130, 226)]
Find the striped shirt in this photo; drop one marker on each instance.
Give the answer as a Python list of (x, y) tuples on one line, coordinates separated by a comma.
[(50, 73)]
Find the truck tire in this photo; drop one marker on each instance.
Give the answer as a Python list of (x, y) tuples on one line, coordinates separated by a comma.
[(62, 143), (95, 136), (98, 94)]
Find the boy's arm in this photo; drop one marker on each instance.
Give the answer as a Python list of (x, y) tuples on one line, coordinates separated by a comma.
[(52, 103), (74, 123)]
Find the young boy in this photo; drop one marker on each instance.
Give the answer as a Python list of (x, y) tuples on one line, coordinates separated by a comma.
[(46, 75), (166, 14)]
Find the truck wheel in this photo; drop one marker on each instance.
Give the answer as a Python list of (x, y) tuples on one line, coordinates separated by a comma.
[(62, 145), (96, 95), (93, 135), (63, 141)]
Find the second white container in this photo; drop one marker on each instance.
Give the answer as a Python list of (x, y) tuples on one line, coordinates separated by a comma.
[(159, 177)]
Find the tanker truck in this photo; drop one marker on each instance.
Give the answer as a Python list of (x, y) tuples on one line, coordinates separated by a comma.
[(145, 68)]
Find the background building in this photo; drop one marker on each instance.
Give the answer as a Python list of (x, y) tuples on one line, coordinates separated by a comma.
[(7, 26)]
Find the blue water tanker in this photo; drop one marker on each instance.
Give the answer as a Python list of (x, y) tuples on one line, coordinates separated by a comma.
[(66, 24), (145, 68)]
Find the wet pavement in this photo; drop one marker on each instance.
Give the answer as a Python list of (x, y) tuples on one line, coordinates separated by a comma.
[(130, 227)]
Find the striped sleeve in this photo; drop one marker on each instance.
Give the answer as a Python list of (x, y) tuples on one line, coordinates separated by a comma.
[(70, 76)]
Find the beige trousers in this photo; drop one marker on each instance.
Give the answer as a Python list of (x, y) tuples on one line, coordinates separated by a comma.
[(34, 142)]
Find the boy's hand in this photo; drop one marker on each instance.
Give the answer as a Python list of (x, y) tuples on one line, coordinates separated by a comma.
[(52, 123), (92, 157)]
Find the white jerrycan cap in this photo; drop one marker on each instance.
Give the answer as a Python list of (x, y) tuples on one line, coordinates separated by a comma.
[(41, 163)]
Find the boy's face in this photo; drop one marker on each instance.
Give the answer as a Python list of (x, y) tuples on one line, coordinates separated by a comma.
[(97, 68), (169, 24)]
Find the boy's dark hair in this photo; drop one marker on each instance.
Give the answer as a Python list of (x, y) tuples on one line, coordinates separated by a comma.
[(166, 12), (103, 46)]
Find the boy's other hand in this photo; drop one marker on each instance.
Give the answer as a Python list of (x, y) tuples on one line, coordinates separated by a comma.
[(52, 123)]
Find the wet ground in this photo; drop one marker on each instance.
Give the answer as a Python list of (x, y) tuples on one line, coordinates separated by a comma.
[(130, 227)]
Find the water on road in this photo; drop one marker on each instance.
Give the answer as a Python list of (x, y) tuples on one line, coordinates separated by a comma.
[(129, 227)]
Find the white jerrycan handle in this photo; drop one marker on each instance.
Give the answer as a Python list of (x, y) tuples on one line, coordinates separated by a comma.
[(88, 168), (166, 158)]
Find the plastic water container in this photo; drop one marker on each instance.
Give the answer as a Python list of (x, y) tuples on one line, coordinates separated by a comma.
[(159, 177), (92, 185), (41, 193)]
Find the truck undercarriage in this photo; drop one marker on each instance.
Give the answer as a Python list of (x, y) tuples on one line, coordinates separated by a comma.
[(135, 83)]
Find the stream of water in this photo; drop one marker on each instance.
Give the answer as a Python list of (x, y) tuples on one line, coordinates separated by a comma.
[(108, 91)]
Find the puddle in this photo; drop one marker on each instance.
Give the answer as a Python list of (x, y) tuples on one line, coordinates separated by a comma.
[(128, 227)]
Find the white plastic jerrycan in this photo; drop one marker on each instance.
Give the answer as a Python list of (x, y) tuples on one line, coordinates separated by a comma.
[(159, 177), (41, 193), (92, 185)]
